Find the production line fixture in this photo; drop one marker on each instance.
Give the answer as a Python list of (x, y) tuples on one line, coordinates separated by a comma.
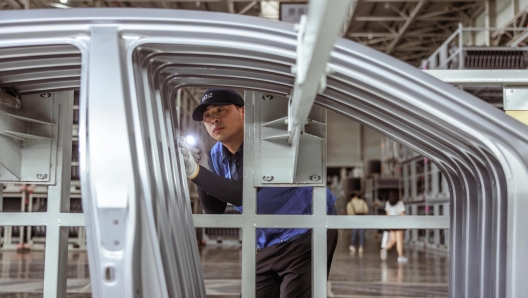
[(129, 64)]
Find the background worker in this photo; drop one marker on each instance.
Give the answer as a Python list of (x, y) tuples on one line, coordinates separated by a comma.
[(394, 206), (357, 206), (283, 254)]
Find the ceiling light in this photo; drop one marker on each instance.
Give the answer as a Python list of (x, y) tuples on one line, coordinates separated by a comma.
[(63, 1)]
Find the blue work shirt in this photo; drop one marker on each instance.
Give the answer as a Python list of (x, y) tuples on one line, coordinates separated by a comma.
[(270, 200)]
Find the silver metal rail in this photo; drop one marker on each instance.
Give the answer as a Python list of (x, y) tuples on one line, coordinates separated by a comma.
[(317, 35), (147, 55), (489, 77)]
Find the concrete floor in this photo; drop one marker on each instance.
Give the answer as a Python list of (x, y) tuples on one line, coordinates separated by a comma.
[(352, 275)]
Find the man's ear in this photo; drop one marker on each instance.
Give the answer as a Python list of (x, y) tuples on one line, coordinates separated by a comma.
[(242, 108)]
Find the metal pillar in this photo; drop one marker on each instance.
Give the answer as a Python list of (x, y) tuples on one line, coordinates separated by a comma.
[(56, 258), (317, 35), (249, 201), (319, 247)]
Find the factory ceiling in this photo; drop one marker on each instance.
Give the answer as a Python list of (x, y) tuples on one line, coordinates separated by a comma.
[(409, 30)]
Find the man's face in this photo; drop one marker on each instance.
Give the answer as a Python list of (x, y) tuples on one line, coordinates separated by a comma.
[(224, 123)]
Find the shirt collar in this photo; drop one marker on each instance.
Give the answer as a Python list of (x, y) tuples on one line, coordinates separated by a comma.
[(228, 154)]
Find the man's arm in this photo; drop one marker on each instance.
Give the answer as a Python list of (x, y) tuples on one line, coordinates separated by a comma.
[(210, 204), (215, 191)]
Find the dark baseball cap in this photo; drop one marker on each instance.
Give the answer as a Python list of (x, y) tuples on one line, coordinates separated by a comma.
[(217, 97)]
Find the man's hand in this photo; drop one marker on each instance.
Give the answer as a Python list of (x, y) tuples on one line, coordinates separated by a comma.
[(191, 167), (199, 153)]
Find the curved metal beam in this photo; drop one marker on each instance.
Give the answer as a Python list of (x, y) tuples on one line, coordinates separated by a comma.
[(481, 151)]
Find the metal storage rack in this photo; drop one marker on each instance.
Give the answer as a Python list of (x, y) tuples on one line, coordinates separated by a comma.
[(425, 192)]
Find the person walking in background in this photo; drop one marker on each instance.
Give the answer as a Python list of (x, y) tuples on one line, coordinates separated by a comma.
[(357, 206), (394, 207)]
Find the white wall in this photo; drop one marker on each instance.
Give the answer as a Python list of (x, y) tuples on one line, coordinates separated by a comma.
[(372, 143), (480, 37), (344, 142)]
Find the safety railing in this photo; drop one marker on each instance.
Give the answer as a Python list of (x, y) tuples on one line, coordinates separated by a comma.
[(452, 53)]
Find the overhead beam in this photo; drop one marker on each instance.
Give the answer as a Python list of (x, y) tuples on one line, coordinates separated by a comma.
[(413, 56), (379, 19), (370, 34), (231, 6), (518, 39), (58, 5), (350, 18), (451, 10), (405, 26), (435, 1), (420, 42), (425, 32), (389, 28), (511, 22), (14, 4), (377, 40), (402, 19), (409, 49), (384, 1), (317, 35), (248, 7)]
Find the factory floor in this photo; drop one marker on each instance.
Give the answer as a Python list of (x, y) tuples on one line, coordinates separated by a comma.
[(352, 275)]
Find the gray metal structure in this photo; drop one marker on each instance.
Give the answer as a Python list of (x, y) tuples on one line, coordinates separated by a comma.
[(455, 53), (129, 66)]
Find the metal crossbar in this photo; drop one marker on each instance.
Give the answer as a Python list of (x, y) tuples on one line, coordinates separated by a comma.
[(130, 70), (331, 222)]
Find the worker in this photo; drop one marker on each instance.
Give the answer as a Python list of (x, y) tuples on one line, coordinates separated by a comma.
[(357, 206), (394, 206), (283, 255)]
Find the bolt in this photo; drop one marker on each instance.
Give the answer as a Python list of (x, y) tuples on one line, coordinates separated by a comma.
[(267, 97), (268, 178), (115, 222), (315, 178), (42, 176), (116, 242), (45, 95)]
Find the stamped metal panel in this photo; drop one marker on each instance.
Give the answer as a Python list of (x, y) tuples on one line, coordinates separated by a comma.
[(276, 163), (516, 98), (473, 144), (28, 138)]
